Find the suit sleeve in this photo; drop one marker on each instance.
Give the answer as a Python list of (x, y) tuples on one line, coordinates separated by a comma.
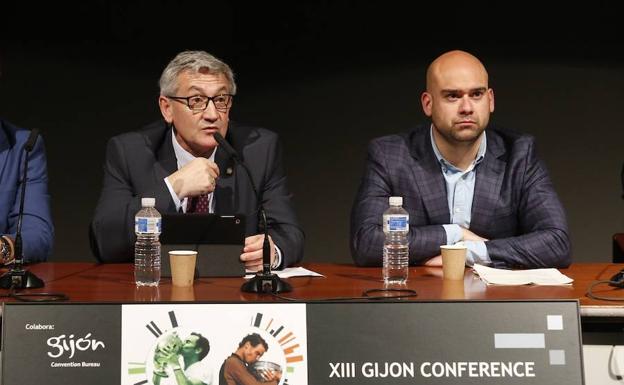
[(37, 227), (112, 229), (281, 219), (380, 181), (544, 239)]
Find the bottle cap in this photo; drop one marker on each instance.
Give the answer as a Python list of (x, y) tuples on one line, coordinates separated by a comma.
[(396, 201), (148, 202)]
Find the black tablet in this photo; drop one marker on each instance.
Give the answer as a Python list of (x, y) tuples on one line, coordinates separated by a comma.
[(218, 240)]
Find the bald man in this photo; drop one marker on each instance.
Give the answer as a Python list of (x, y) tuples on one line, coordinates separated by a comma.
[(461, 179)]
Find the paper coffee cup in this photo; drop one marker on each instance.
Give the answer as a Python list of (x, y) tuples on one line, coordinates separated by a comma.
[(453, 261), (182, 267), (453, 289)]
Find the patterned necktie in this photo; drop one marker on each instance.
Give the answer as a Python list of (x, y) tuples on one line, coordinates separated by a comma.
[(198, 204)]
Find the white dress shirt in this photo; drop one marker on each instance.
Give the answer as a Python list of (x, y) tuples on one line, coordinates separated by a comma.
[(183, 158)]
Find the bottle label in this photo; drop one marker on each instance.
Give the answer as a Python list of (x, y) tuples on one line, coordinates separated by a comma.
[(147, 225), (396, 222)]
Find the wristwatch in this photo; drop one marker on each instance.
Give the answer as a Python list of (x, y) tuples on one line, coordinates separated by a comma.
[(5, 250)]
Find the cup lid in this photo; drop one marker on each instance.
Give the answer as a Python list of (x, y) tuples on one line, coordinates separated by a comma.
[(182, 252), (453, 247)]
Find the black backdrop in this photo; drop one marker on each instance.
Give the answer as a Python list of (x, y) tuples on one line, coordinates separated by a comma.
[(327, 76)]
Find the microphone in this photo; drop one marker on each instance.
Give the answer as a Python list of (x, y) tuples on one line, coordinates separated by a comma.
[(17, 277), (265, 281), (32, 139), (230, 151)]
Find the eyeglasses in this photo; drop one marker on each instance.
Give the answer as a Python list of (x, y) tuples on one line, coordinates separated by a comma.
[(200, 102)]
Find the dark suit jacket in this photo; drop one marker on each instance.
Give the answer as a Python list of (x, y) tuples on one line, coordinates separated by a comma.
[(515, 205), (37, 228), (137, 163)]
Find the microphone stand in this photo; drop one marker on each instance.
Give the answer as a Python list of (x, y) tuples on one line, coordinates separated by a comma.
[(264, 281), (17, 277)]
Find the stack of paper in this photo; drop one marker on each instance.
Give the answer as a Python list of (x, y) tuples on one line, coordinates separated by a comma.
[(493, 276), (290, 272)]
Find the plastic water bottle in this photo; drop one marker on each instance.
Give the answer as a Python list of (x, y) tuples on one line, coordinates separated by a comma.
[(147, 224), (396, 243)]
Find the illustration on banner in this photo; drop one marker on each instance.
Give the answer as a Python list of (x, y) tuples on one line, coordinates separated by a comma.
[(205, 344)]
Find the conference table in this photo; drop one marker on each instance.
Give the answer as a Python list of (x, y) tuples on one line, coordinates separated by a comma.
[(81, 282), (96, 283), (602, 321)]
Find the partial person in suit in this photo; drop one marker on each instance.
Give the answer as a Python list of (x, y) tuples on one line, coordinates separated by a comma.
[(37, 227), (461, 182), (178, 162)]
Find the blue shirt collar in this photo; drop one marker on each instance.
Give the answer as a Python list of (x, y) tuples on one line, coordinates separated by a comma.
[(446, 163)]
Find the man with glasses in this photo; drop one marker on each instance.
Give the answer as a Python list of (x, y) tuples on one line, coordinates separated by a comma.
[(461, 182), (178, 161)]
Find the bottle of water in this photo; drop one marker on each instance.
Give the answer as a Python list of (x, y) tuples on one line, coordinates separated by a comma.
[(396, 243), (147, 247)]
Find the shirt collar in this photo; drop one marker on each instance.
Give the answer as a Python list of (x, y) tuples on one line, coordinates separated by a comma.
[(446, 163), (184, 157)]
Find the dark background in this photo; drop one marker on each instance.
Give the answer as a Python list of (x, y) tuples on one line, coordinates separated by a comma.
[(328, 76)]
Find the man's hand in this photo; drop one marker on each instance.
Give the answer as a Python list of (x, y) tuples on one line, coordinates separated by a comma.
[(164, 356), (173, 360), (271, 375), (198, 177), (252, 252), (468, 235), (435, 261)]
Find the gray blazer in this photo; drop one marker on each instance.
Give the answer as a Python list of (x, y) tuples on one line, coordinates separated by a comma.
[(515, 205), (137, 163)]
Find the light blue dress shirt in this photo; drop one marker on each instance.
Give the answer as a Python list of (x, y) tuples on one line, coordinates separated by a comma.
[(460, 186)]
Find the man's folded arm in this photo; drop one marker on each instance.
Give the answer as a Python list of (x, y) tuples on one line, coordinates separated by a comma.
[(540, 249), (367, 244), (544, 239)]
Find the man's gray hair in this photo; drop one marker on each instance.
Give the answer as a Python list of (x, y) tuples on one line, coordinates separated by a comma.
[(194, 62)]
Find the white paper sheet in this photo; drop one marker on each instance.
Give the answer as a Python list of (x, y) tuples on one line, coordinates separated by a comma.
[(290, 272), (493, 276)]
